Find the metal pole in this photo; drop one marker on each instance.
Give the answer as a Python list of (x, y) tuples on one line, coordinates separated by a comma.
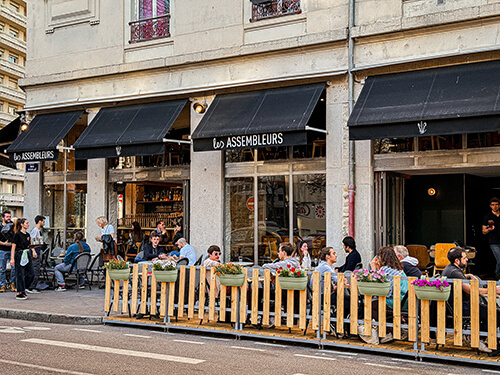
[(352, 146), (65, 198)]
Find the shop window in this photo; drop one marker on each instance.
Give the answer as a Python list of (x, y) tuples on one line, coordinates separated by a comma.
[(309, 210), (391, 145), (264, 9), (13, 58), (152, 20), (476, 140), (440, 142)]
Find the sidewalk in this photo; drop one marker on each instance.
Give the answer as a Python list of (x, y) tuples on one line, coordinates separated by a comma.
[(84, 307)]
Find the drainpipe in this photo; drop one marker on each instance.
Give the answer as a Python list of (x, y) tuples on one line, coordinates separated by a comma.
[(352, 146)]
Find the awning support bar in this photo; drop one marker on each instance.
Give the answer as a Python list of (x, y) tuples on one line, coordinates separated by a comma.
[(316, 129), (178, 141), (70, 148)]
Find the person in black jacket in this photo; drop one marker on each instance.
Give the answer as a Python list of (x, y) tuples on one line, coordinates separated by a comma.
[(353, 256), (152, 250)]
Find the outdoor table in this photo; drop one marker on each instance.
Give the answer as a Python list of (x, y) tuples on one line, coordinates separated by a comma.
[(243, 264)]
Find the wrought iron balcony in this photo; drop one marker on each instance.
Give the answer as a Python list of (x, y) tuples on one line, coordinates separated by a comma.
[(150, 28), (264, 9)]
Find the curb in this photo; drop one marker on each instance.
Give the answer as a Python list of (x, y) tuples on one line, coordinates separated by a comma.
[(50, 318)]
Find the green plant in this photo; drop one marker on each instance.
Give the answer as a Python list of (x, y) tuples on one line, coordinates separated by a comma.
[(290, 271), (228, 269), (115, 264), (374, 276), (164, 265), (439, 283)]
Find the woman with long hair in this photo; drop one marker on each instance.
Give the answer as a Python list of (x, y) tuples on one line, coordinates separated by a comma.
[(136, 234), (21, 257), (75, 249), (302, 252)]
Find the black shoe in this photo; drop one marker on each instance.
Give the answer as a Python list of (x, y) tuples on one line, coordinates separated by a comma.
[(494, 353)]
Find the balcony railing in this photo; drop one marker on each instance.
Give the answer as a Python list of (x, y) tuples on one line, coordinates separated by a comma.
[(150, 28), (262, 9), (7, 198)]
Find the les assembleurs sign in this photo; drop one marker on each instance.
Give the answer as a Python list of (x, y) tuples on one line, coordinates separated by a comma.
[(20, 157), (250, 141)]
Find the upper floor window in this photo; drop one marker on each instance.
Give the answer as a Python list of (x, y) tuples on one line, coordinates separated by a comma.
[(152, 20), (12, 110), (13, 83), (13, 32), (263, 9), (14, 58), (15, 6)]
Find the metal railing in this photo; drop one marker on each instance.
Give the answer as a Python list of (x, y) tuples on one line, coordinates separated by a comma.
[(150, 28), (274, 8), (6, 198)]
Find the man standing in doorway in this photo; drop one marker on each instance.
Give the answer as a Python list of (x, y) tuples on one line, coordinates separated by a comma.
[(491, 228), (6, 235)]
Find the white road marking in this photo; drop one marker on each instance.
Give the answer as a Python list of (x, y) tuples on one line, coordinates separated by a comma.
[(270, 344), (87, 330), (51, 369), (336, 352), (108, 350), (216, 338), (140, 336), (493, 371), (190, 342), (246, 348), (315, 357), (37, 328), (4, 329), (386, 366)]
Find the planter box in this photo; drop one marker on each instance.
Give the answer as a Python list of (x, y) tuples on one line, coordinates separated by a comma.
[(119, 274), (368, 288), (293, 283), (166, 276), (431, 293), (232, 280)]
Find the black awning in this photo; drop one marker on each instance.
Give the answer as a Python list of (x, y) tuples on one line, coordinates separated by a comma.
[(129, 130), (263, 118), (39, 141), (449, 100), (8, 134)]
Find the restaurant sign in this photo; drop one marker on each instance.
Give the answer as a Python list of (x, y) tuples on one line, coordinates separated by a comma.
[(250, 141), (27, 156)]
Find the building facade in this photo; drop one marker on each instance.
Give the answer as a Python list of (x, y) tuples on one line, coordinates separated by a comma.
[(263, 90)]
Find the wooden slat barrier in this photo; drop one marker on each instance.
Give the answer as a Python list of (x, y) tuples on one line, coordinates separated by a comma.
[(197, 289)]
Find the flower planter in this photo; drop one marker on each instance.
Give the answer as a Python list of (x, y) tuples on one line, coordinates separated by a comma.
[(293, 283), (232, 279), (432, 293), (162, 276), (119, 274), (369, 288)]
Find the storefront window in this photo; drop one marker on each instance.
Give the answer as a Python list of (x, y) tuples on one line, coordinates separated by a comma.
[(440, 142), (239, 219), (309, 214), (390, 145), (476, 140)]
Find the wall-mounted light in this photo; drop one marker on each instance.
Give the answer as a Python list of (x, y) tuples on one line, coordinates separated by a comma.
[(24, 127), (200, 107), (431, 191)]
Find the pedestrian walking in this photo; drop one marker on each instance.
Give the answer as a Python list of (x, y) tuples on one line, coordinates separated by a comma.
[(21, 257), (6, 235), (36, 239)]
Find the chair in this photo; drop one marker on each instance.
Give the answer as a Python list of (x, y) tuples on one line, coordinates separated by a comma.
[(96, 267), (79, 267), (200, 259), (44, 265), (183, 262), (358, 266), (421, 253), (132, 251), (440, 258)]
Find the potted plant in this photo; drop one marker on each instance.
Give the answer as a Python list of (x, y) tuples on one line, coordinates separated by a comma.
[(432, 290), (118, 269), (372, 282), (230, 274), (292, 278), (165, 271)]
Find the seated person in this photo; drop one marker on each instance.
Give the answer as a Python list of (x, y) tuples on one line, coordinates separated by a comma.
[(286, 259), (327, 257), (177, 236), (160, 229), (409, 263), (73, 250), (353, 256), (152, 250), (187, 251), (212, 261), (302, 253), (458, 260)]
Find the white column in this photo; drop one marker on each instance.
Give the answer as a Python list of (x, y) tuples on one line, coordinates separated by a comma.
[(33, 190), (207, 187), (97, 198)]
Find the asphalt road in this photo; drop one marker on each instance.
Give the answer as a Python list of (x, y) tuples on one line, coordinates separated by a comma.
[(44, 348)]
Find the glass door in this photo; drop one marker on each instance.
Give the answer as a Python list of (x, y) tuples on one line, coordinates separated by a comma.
[(389, 209)]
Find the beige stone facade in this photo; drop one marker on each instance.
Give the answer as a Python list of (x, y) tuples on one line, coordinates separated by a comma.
[(80, 56)]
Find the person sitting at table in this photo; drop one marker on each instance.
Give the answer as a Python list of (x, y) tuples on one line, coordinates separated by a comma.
[(353, 256), (409, 263), (160, 229), (187, 251), (286, 259), (75, 249), (152, 250), (303, 254), (327, 257), (458, 261), (177, 236), (212, 261)]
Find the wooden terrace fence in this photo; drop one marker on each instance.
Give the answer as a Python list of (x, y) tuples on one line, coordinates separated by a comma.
[(260, 303)]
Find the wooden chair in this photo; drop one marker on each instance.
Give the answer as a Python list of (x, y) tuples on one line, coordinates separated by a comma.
[(440, 258), (422, 254)]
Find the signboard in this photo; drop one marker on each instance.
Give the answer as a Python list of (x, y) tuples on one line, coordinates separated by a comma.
[(250, 141), (32, 167), (21, 157), (251, 203)]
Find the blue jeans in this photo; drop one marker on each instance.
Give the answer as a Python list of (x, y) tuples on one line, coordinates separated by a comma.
[(63, 267), (4, 259), (495, 248)]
